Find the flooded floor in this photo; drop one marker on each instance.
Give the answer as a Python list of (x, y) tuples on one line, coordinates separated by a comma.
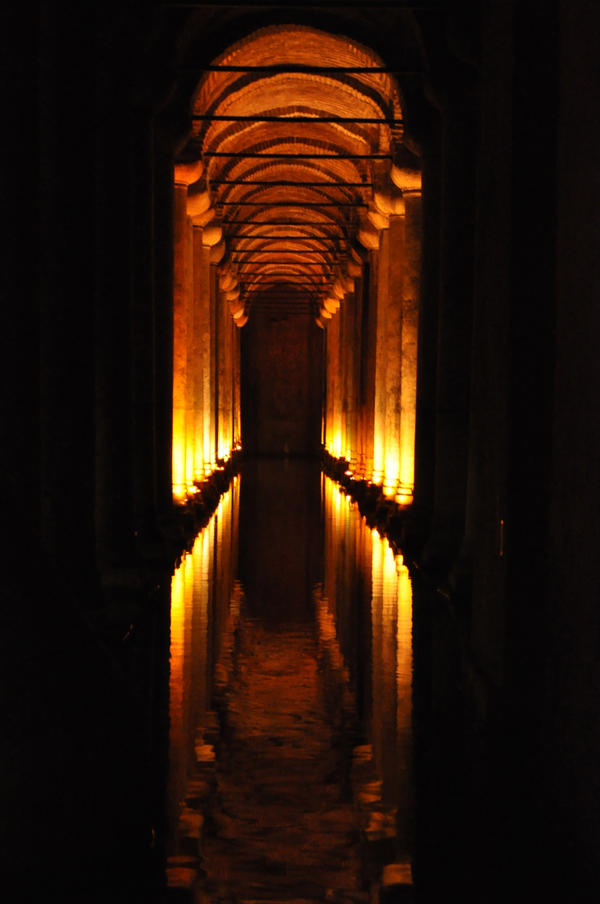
[(290, 698)]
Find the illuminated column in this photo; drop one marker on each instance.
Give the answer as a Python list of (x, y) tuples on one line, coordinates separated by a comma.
[(379, 418), (368, 414), (409, 181), (214, 383), (202, 350), (222, 334), (370, 238), (330, 378), (184, 175), (391, 338), (237, 395), (191, 355), (212, 240), (348, 311), (335, 440), (410, 332), (225, 329)]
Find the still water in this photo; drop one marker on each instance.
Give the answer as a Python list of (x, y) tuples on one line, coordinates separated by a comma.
[(291, 743)]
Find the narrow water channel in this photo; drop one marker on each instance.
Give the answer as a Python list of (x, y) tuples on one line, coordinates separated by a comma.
[(291, 707)]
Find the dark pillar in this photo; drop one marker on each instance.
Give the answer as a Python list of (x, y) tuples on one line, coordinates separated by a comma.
[(458, 148)]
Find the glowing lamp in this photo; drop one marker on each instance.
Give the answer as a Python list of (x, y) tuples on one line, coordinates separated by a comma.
[(242, 321)]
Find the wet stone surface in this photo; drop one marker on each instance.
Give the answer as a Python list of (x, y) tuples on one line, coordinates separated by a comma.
[(282, 825)]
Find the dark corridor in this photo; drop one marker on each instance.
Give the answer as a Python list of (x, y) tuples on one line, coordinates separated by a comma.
[(444, 157)]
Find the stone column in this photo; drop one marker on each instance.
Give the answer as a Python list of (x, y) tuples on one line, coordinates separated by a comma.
[(410, 328), (224, 377), (454, 327), (391, 335), (370, 299), (333, 343), (201, 345), (379, 415), (237, 391), (184, 175)]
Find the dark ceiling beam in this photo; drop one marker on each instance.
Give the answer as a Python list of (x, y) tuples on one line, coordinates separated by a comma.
[(317, 225), (375, 120), (291, 68), (291, 282), (294, 202), (290, 183), (297, 156), (290, 238), (252, 251)]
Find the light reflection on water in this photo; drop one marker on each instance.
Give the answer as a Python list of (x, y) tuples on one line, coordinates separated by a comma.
[(356, 591), (368, 591), (201, 600)]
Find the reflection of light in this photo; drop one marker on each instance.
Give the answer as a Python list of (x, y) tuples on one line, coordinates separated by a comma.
[(200, 589)]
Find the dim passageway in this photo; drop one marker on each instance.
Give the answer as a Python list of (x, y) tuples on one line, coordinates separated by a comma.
[(291, 697)]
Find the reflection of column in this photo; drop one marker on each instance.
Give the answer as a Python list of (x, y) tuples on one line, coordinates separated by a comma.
[(404, 742)]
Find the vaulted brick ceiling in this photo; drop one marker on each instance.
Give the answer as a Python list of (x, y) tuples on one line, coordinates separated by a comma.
[(296, 127)]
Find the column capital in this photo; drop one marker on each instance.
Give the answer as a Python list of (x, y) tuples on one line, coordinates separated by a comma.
[(406, 179), (198, 203), (185, 174), (368, 234)]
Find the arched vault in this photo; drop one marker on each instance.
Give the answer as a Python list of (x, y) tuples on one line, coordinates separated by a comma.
[(297, 130)]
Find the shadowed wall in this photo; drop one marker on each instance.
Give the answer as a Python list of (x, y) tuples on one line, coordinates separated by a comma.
[(281, 384)]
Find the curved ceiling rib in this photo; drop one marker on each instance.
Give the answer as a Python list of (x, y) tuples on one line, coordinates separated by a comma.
[(295, 127)]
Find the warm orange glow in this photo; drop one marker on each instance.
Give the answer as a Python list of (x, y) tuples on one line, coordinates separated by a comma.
[(203, 371), (392, 635), (351, 546), (201, 587)]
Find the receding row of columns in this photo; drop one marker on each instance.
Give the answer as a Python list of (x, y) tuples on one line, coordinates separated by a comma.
[(370, 411), (206, 347)]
